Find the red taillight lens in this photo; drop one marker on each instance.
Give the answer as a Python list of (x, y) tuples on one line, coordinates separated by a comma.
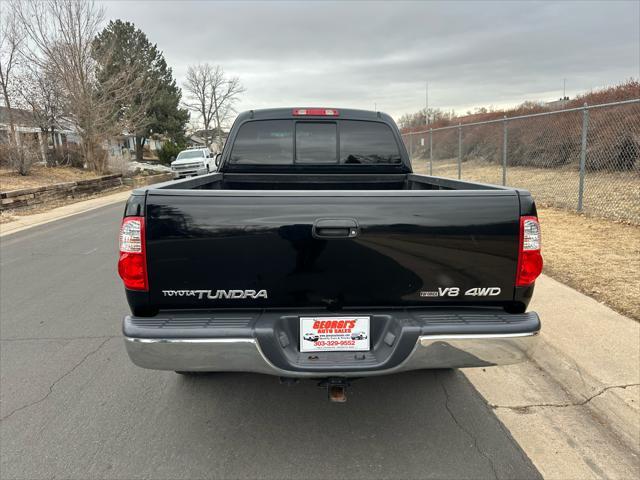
[(529, 257), (316, 112), (132, 264)]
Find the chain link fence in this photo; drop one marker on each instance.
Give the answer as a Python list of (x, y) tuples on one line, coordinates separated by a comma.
[(583, 159)]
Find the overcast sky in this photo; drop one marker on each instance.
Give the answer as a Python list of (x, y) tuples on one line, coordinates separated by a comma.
[(357, 54)]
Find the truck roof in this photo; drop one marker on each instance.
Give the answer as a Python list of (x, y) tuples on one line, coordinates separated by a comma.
[(288, 112)]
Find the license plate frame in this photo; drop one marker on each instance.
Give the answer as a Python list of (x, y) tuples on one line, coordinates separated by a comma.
[(335, 334)]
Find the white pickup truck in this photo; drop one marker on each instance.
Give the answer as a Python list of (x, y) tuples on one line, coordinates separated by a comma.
[(193, 161)]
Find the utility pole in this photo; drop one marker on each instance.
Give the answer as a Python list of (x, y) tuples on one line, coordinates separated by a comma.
[(426, 110)]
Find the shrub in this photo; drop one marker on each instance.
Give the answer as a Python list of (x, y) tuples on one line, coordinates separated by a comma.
[(74, 155), (21, 157), (4, 155), (169, 152), (55, 156)]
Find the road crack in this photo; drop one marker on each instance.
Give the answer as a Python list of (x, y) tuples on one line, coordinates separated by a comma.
[(58, 380), (463, 429), (526, 408)]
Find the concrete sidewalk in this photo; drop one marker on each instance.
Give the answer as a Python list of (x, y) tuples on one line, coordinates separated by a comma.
[(28, 221), (574, 408), (593, 352)]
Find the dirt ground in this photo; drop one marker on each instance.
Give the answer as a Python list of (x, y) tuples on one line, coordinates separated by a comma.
[(598, 257), (41, 175)]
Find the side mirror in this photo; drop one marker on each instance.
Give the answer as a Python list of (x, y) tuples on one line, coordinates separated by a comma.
[(172, 158), (218, 159)]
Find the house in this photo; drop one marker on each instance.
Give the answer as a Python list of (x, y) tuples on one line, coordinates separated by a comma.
[(125, 145), (64, 134), (27, 129)]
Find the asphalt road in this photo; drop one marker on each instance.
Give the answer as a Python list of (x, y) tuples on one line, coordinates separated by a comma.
[(73, 406)]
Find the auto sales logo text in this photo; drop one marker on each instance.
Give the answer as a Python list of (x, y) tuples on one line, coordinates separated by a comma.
[(217, 294), (334, 326)]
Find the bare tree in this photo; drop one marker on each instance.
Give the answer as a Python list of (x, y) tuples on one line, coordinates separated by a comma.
[(199, 95), (226, 92), (20, 153), (11, 38), (40, 92), (213, 96), (60, 36)]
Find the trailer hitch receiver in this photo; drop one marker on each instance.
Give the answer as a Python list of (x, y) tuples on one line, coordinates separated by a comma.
[(336, 389)]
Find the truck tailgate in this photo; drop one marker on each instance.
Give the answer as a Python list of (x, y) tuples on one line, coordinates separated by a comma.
[(331, 249)]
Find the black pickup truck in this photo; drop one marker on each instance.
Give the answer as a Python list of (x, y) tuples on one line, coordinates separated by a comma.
[(315, 252)]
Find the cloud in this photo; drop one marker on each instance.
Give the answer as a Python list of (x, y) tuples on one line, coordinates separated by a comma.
[(355, 54)]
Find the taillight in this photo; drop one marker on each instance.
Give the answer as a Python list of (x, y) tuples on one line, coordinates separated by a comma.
[(529, 257), (316, 112), (132, 264)]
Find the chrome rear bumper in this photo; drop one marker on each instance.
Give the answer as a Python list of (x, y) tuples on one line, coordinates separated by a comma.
[(245, 354)]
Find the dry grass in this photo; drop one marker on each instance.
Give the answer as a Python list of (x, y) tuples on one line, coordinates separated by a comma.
[(41, 175), (613, 195), (599, 257)]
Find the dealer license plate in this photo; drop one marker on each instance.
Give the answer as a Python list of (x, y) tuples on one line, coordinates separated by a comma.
[(339, 334)]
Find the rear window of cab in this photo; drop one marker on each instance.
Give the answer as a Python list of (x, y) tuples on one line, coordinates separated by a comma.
[(288, 142)]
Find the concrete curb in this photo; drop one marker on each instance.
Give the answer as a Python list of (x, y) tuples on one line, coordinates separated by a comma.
[(593, 353)]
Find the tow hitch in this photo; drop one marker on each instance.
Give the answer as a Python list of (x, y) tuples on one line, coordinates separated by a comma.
[(336, 389)]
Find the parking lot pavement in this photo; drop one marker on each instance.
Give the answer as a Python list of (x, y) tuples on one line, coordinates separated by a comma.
[(73, 405)]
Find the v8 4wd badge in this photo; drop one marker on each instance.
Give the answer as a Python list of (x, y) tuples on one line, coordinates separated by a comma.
[(455, 292)]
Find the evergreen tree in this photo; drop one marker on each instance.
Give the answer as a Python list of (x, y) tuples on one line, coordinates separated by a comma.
[(122, 45)]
